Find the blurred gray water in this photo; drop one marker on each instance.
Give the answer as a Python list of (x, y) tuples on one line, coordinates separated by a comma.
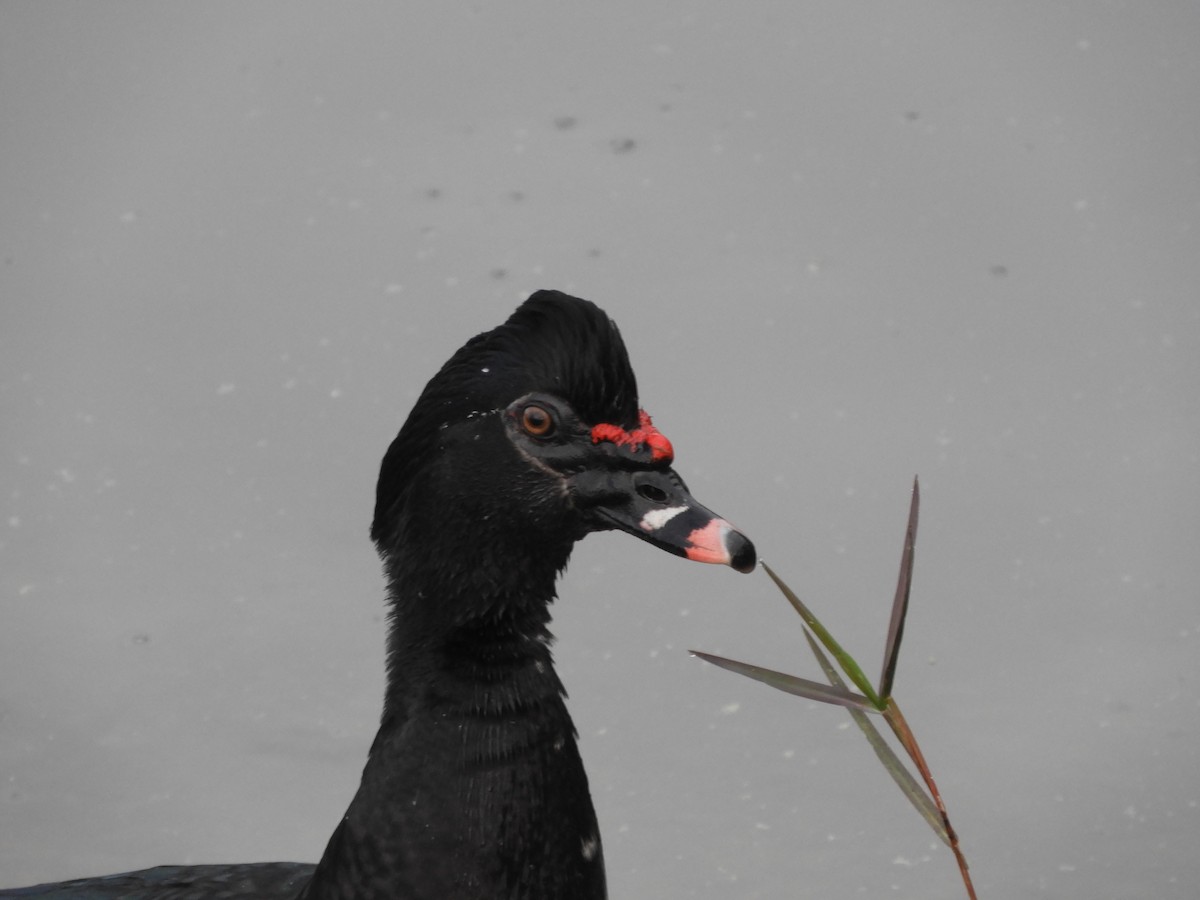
[(846, 243)]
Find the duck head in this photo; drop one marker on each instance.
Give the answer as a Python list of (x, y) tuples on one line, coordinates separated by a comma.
[(529, 438)]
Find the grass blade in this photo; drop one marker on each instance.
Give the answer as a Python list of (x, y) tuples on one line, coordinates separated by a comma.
[(908, 785), (790, 684), (891, 652), (899, 725), (845, 660)]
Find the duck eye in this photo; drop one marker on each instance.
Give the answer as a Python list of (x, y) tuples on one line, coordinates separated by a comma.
[(537, 421)]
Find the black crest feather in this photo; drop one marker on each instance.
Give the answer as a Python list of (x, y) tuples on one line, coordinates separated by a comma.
[(553, 343)]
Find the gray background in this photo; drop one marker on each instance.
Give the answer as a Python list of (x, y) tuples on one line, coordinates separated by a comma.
[(846, 242)]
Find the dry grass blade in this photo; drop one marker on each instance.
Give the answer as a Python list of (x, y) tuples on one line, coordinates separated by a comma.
[(899, 725), (891, 652)]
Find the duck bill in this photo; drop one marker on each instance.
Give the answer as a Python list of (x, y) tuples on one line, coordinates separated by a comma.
[(657, 507)]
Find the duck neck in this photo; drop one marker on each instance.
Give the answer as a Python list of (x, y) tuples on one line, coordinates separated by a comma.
[(463, 648), (474, 786)]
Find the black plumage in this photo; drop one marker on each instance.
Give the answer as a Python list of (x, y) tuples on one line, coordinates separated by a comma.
[(527, 439)]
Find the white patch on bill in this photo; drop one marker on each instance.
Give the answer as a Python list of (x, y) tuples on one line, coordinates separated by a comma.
[(657, 518)]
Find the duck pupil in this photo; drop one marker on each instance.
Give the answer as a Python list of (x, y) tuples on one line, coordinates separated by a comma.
[(537, 421)]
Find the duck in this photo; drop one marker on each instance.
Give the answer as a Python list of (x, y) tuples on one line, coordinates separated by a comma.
[(527, 440)]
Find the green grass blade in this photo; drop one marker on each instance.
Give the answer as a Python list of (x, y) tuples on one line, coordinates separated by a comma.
[(909, 786), (790, 684), (845, 660), (891, 652)]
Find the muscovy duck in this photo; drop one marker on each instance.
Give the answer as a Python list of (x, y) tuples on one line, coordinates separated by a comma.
[(528, 439)]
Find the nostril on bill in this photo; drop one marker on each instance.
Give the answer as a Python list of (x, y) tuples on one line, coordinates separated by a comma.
[(652, 493)]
